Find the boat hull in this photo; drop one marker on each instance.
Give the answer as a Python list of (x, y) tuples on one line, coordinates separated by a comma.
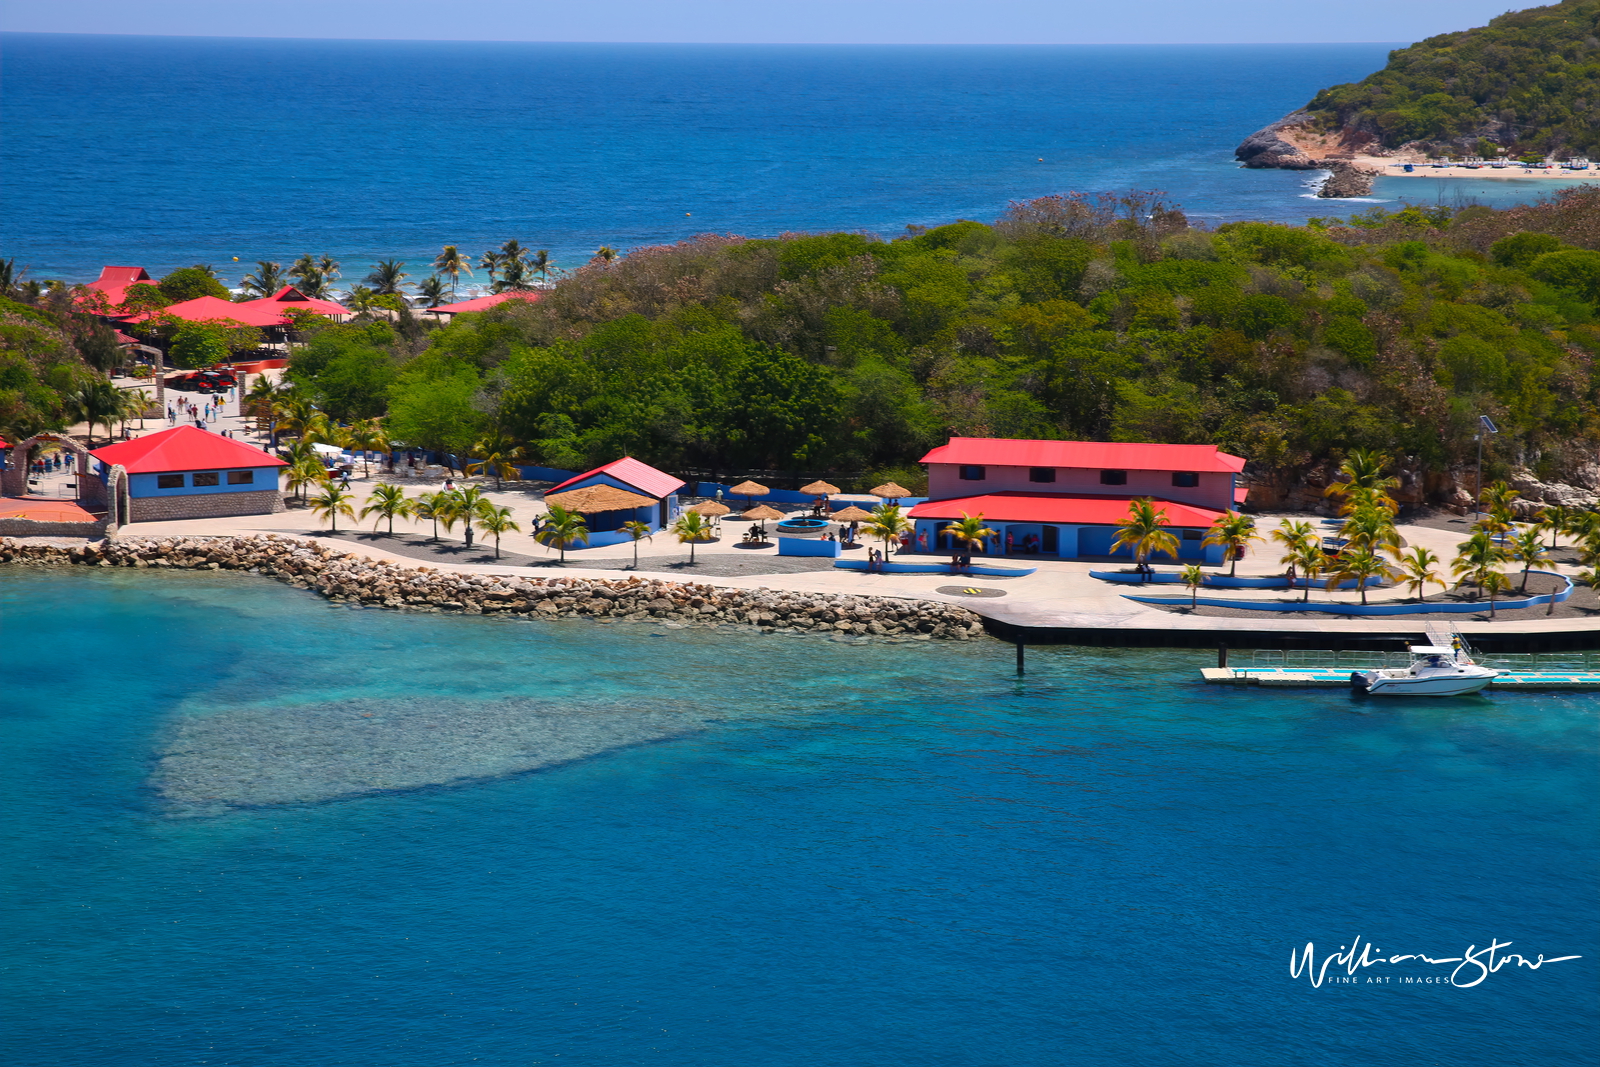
[(1376, 684)]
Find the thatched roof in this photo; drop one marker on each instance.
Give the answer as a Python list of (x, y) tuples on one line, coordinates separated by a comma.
[(890, 489), (851, 514), (709, 508), (592, 499), (761, 513), (749, 489), (820, 488)]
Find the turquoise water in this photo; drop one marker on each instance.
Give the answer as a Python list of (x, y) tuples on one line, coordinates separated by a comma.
[(679, 847), (168, 151)]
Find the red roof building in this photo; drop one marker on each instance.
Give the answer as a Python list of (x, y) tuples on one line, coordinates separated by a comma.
[(290, 297), (605, 528), (188, 473), (1066, 498), (215, 309), (114, 281), (482, 303)]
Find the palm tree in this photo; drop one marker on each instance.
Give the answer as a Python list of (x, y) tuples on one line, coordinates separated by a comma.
[(328, 267), (512, 250), (303, 270), (1527, 548), (1194, 577), (388, 278), (1497, 521), (1293, 535), (304, 471), (1555, 517), (98, 401), (540, 261), (970, 531), (451, 262), (138, 400), (1371, 527), (1498, 495), (1495, 582), (498, 451), (1142, 532), (296, 414), (605, 254), (430, 291), (690, 529), (563, 528), (1233, 532), (267, 279), (433, 506), (334, 502), (639, 531), (468, 505), (367, 435), (490, 262), (360, 299), (1361, 564), (495, 521), (513, 277), (887, 525), (1478, 557), (387, 501), (1310, 560), (1363, 469), (1416, 567), (314, 285)]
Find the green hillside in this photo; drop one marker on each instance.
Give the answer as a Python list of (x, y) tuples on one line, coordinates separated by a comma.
[(1529, 81)]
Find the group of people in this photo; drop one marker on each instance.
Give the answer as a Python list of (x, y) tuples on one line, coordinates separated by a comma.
[(53, 461), (199, 414)]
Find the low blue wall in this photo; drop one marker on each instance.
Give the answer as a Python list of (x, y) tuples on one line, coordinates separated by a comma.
[(1223, 581), (893, 567), (546, 474), (1367, 610), (808, 546)]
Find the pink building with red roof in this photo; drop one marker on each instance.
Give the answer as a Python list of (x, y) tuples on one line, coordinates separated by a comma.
[(189, 473), (1065, 498), (605, 527)]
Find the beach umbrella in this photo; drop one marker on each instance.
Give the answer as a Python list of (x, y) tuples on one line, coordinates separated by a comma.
[(593, 499), (890, 491), (711, 509), (852, 514), (748, 490), (761, 513), (819, 489)]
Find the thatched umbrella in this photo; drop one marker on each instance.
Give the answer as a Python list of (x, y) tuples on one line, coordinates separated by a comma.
[(593, 499), (852, 514), (748, 490), (822, 489), (890, 491), (761, 513), (711, 509)]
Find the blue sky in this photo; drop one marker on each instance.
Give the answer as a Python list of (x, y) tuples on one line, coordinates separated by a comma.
[(771, 21)]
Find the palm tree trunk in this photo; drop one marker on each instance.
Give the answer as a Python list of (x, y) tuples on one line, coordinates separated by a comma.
[(1525, 570), (1233, 571), (496, 546)]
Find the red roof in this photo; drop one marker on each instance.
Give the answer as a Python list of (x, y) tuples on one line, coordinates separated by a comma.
[(1091, 454), (184, 448), (1057, 507), (289, 296), (630, 471), (212, 309), (114, 282), (482, 303)]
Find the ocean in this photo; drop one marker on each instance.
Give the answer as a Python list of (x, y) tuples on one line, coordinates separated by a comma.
[(246, 826), (164, 152)]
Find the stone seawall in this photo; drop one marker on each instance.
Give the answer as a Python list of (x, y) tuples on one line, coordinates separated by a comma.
[(351, 578), (205, 505)]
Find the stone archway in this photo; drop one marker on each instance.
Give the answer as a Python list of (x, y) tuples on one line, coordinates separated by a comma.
[(14, 479)]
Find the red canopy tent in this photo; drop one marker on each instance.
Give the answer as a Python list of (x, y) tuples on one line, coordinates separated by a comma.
[(215, 309), (482, 303)]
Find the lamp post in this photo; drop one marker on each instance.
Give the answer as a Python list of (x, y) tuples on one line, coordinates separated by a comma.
[(1485, 425)]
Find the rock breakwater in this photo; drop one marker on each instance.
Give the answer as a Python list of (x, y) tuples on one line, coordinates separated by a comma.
[(346, 577)]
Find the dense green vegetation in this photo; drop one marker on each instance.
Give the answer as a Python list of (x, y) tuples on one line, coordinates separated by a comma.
[(1528, 81), (1072, 317)]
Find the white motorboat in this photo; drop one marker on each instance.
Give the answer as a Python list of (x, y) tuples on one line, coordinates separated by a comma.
[(1434, 672)]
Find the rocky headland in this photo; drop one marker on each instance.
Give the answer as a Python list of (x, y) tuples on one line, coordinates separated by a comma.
[(347, 577)]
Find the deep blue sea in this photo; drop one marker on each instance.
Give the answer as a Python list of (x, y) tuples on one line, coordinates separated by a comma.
[(222, 847), (164, 152)]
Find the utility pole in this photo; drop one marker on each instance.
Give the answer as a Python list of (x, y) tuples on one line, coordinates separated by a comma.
[(1485, 425)]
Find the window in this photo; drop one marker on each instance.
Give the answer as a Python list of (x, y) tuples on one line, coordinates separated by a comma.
[(972, 474), (1185, 479), (241, 477), (207, 478), (1193, 535), (1113, 477), (1041, 474), (169, 481)]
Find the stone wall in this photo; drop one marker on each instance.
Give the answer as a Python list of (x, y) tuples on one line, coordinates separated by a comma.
[(350, 578), (204, 505), (33, 528)]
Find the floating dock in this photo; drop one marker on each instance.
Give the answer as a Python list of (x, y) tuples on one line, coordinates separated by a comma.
[(1331, 670)]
